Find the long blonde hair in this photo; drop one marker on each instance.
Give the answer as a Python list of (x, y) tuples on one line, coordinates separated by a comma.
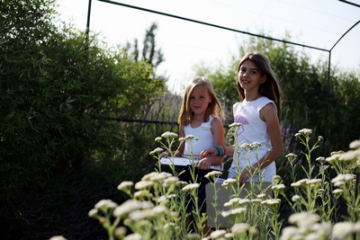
[(214, 107)]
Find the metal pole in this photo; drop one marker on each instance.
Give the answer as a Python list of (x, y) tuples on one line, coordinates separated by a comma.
[(88, 19), (327, 88), (88, 26), (210, 24), (328, 84)]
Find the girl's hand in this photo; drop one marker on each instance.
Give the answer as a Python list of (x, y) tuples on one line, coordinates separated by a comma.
[(210, 152), (164, 154), (244, 176), (204, 164)]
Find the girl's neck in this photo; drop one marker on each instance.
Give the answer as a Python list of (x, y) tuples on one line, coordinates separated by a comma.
[(251, 96), (198, 117)]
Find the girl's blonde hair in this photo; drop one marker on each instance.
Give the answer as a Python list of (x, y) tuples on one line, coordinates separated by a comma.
[(270, 88), (213, 108)]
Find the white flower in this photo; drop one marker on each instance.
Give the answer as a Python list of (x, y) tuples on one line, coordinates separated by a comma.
[(244, 145), (299, 183), (217, 234), (158, 149), (239, 228), (256, 200), (323, 229), (355, 144), (231, 202), (125, 185), (213, 174), (320, 159), (57, 238), (133, 236), (225, 214), (170, 181), (339, 183), (163, 199), (182, 139), (181, 183), (305, 131), (138, 214), (169, 135), (295, 198), (343, 229), (119, 232), (343, 177), (191, 186), (255, 145), (158, 210), (333, 159), (336, 153), (338, 191), (271, 201), (158, 139), (313, 236), (129, 206), (159, 177), (290, 232), (261, 195), (238, 211), (350, 156), (189, 137), (147, 177), (313, 181), (192, 236), (297, 134), (304, 219), (278, 187), (235, 125), (276, 177), (142, 193), (143, 184), (93, 212), (228, 181), (243, 201), (105, 203), (171, 196), (291, 155), (169, 225), (229, 235)]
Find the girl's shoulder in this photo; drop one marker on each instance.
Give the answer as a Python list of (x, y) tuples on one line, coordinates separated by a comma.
[(263, 101)]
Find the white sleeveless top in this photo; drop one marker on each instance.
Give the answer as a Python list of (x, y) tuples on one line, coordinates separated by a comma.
[(253, 129), (203, 132)]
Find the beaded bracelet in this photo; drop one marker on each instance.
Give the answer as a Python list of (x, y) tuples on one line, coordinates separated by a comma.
[(221, 150)]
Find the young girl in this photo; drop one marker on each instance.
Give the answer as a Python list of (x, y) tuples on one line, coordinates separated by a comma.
[(199, 117), (258, 111)]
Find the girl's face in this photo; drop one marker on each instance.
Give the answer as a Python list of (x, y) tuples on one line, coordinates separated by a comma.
[(199, 99), (250, 76)]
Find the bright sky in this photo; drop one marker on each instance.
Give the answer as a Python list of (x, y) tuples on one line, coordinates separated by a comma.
[(318, 23)]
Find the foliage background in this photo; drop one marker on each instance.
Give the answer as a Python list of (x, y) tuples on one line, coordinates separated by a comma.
[(63, 98)]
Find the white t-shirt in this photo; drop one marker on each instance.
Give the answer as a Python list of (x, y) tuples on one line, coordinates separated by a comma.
[(253, 129), (203, 132)]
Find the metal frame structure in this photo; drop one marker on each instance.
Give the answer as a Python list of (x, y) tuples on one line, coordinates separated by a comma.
[(233, 30)]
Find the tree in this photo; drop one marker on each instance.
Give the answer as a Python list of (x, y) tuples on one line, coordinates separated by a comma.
[(149, 53), (55, 96)]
